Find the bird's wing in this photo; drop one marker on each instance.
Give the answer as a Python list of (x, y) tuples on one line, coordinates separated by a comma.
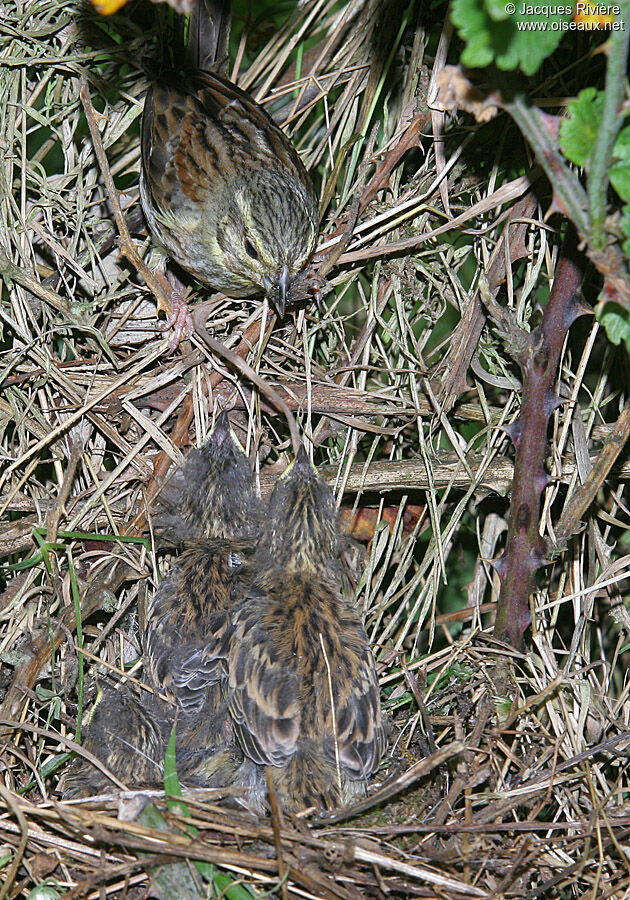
[(360, 733), (173, 146), (182, 658), (198, 124), (263, 688), (247, 128), (197, 667)]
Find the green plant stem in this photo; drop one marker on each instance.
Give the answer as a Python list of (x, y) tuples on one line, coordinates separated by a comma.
[(76, 599), (599, 172), (569, 195)]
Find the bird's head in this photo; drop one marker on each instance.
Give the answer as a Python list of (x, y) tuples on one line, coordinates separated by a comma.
[(268, 236), (220, 495), (303, 532)]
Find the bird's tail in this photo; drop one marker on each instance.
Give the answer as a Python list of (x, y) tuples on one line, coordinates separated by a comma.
[(307, 780), (209, 35)]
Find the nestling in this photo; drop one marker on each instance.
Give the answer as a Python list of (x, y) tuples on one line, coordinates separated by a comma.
[(128, 734), (213, 495), (190, 615), (265, 662), (223, 190), (211, 506), (303, 692)]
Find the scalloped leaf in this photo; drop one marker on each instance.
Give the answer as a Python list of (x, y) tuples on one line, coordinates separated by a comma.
[(616, 321), (578, 132), (511, 35), (620, 169)]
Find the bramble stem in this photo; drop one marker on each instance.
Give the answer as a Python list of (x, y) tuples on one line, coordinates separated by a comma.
[(525, 549)]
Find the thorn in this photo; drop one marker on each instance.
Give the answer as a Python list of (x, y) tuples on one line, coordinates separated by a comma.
[(551, 403), (541, 481), (514, 430), (538, 559), (576, 307)]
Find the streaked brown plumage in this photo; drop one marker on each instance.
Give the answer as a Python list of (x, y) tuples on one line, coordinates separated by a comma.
[(189, 617), (128, 733), (223, 190), (265, 662), (292, 638), (213, 494), (211, 507)]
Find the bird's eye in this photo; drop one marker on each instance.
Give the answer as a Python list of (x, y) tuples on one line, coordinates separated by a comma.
[(250, 249)]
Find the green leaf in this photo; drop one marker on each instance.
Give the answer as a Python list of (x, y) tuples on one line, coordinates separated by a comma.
[(44, 892), (76, 599), (175, 881), (233, 892), (620, 169), (578, 132), (43, 694), (171, 779), (511, 35), (616, 321), (224, 882)]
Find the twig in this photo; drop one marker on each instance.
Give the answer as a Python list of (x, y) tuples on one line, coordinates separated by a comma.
[(353, 214), (158, 285), (276, 824), (569, 197), (468, 331), (52, 519), (179, 434), (237, 362), (10, 874), (582, 498), (505, 194), (599, 168), (410, 678)]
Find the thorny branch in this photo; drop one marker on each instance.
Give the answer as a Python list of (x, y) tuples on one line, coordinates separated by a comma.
[(525, 550)]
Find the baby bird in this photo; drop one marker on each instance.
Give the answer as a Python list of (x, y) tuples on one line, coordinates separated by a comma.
[(211, 507), (303, 692), (218, 515), (129, 735), (213, 495)]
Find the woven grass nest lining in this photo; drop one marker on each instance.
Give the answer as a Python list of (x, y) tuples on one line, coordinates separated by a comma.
[(505, 775)]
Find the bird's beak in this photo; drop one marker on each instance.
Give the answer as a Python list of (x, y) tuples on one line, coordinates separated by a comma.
[(283, 283)]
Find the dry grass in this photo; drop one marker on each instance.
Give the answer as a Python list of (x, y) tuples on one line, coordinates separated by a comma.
[(506, 775)]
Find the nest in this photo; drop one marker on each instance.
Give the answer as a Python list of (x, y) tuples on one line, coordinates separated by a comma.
[(505, 772)]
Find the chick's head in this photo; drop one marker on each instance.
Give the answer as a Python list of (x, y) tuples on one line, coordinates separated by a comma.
[(213, 495), (302, 533), (220, 494)]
